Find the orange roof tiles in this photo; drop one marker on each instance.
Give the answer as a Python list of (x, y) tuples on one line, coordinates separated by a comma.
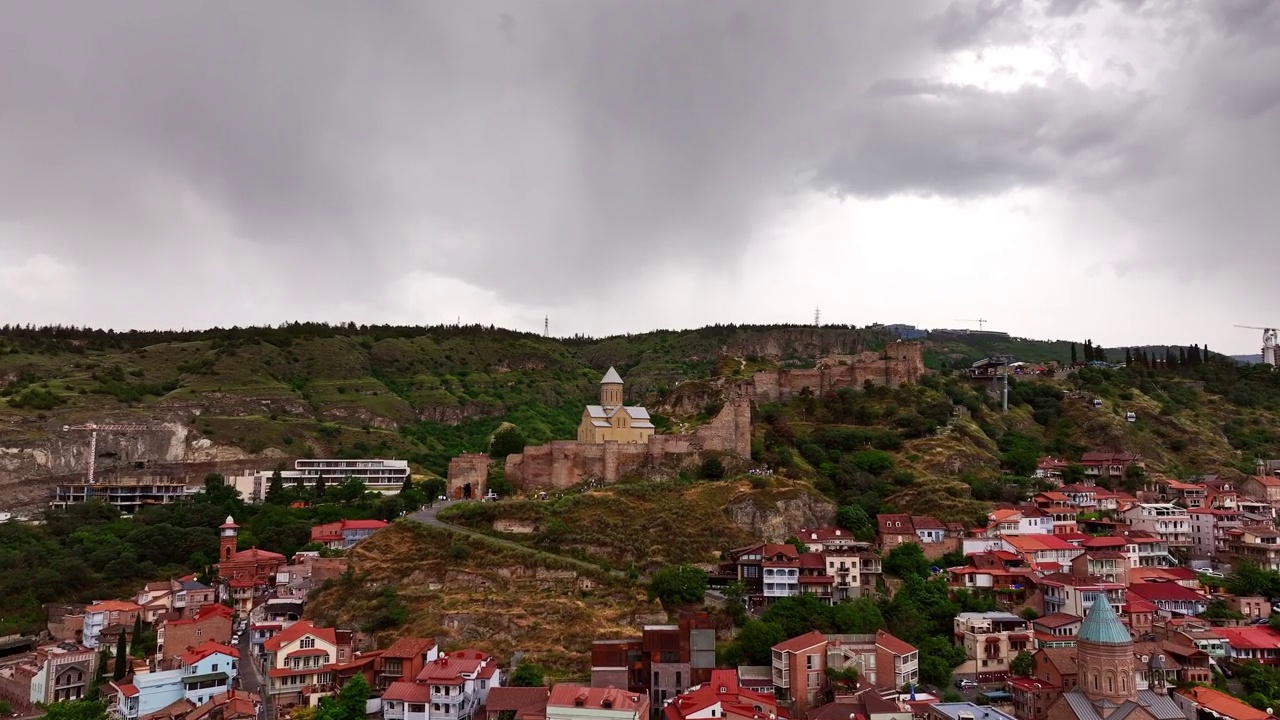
[(1222, 704), (801, 642), (296, 631), (893, 644)]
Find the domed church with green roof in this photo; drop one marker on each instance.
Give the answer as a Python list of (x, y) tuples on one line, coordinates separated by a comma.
[(1107, 687)]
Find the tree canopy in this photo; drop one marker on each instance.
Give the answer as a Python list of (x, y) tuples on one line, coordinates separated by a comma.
[(678, 585)]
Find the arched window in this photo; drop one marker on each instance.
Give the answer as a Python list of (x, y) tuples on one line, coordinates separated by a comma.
[(1111, 682), (1124, 685), (1096, 685)]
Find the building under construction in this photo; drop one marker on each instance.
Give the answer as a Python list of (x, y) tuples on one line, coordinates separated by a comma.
[(128, 489)]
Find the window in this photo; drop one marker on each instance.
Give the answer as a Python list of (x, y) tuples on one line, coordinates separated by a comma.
[(679, 685), (307, 643)]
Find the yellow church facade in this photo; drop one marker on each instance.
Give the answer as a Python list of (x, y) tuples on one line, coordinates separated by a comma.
[(611, 420)]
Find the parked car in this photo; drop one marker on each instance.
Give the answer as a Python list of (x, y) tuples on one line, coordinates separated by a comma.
[(491, 497), (966, 684)]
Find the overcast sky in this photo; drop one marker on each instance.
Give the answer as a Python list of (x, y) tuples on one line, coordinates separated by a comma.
[(1062, 168)]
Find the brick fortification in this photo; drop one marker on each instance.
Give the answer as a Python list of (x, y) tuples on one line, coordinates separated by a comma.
[(564, 463), (901, 363)]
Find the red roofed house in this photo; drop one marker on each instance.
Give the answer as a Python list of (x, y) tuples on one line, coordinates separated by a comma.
[(1050, 467), (897, 662), (244, 572), (113, 614), (344, 534), (577, 702), (1172, 598), (231, 705), (1109, 465), (454, 685), (895, 530), (800, 671), (1205, 701), (1264, 488), (721, 699), (1258, 643), (298, 659), (211, 624), (406, 658), (523, 703)]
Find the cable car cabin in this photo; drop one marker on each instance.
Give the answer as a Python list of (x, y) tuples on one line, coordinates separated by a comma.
[(1131, 417), (1097, 402)]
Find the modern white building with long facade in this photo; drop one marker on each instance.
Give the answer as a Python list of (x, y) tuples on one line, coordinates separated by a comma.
[(384, 476)]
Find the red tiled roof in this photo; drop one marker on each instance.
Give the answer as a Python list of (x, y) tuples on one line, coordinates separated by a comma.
[(254, 555), (516, 698), (926, 522), (1169, 591), (307, 652), (1222, 704), (126, 689), (1057, 620), (1253, 638), (402, 691), (409, 647), (564, 695), (812, 561), (893, 644), (206, 649), (113, 606), (448, 669), (895, 524), (206, 612), (1267, 480), (297, 630), (801, 642)]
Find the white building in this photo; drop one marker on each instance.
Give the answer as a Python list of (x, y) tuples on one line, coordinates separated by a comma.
[(1166, 521), (450, 687), (384, 476)]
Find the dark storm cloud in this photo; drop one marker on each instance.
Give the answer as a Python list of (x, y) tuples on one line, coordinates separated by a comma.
[(519, 145)]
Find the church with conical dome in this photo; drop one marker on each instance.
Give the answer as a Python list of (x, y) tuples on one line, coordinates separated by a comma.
[(1107, 688), (612, 420)]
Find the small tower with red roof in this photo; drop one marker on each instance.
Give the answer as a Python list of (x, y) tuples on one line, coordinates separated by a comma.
[(227, 532)]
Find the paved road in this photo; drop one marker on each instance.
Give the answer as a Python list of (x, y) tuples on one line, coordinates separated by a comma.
[(429, 516), (250, 676)]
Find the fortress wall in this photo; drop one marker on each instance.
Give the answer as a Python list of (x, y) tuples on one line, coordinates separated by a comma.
[(468, 468)]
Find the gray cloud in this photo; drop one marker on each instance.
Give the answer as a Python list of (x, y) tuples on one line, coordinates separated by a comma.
[(516, 145)]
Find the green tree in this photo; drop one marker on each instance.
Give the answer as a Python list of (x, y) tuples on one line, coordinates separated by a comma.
[(854, 519), (275, 489), (1073, 354), (1029, 613), (756, 639), (678, 585), (528, 674), (76, 710), (876, 462), (100, 676), (138, 642), (905, 560), (507, 441), (796, 543), (320, 486), (348, 704), (122, 658), (1251, 580), (857, 617), (1022, 665), (712, 468), (299, 485), (408, 486)]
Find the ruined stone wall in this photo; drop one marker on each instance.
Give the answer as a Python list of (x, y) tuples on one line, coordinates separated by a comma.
[(901, 363), (730, 430), (470, 468)]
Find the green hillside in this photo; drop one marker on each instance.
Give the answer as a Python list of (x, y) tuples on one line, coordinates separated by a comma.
[(426, 394)]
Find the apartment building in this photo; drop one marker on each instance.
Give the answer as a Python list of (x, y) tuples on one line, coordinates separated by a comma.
[(378, 475), (108, 618), (1168, 522), (453, 686), (1257, 544), (1171, 598), (1060, 509), (202, 674), (897, 662), (1110, 465), (665, 661), (800, 672), (178, 635), (1074, 595), (722, 698), (855, 570), (404, 660), (991, 640), (1210, 528), (127, 494), (1056, 631)]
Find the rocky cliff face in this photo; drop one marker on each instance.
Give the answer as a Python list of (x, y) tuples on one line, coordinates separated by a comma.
[(773, 517), (798, 343)]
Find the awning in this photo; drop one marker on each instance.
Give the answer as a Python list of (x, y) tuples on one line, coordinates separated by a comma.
[(1019, 637), (191, 679), (992, 639)]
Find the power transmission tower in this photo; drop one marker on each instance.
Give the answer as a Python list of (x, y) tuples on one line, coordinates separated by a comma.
[(546, 326), (817, 317)]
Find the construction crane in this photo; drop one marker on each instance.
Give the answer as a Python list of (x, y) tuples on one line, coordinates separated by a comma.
[(93, 429), (1269, 337), (980, 322)]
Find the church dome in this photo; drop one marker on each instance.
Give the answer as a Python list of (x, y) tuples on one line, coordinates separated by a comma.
[(1102, 626)]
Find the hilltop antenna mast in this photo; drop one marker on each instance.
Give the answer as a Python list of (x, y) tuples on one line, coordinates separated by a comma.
[(817, 317), (546, 326)]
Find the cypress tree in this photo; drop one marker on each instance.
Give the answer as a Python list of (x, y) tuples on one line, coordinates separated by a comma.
[(1073, 354), (320, 486), (137, 634), (122, 659), (1128, 357), (275, 491), (1182, 356)]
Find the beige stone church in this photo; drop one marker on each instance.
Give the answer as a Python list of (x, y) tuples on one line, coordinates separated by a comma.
[(611, 420)]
